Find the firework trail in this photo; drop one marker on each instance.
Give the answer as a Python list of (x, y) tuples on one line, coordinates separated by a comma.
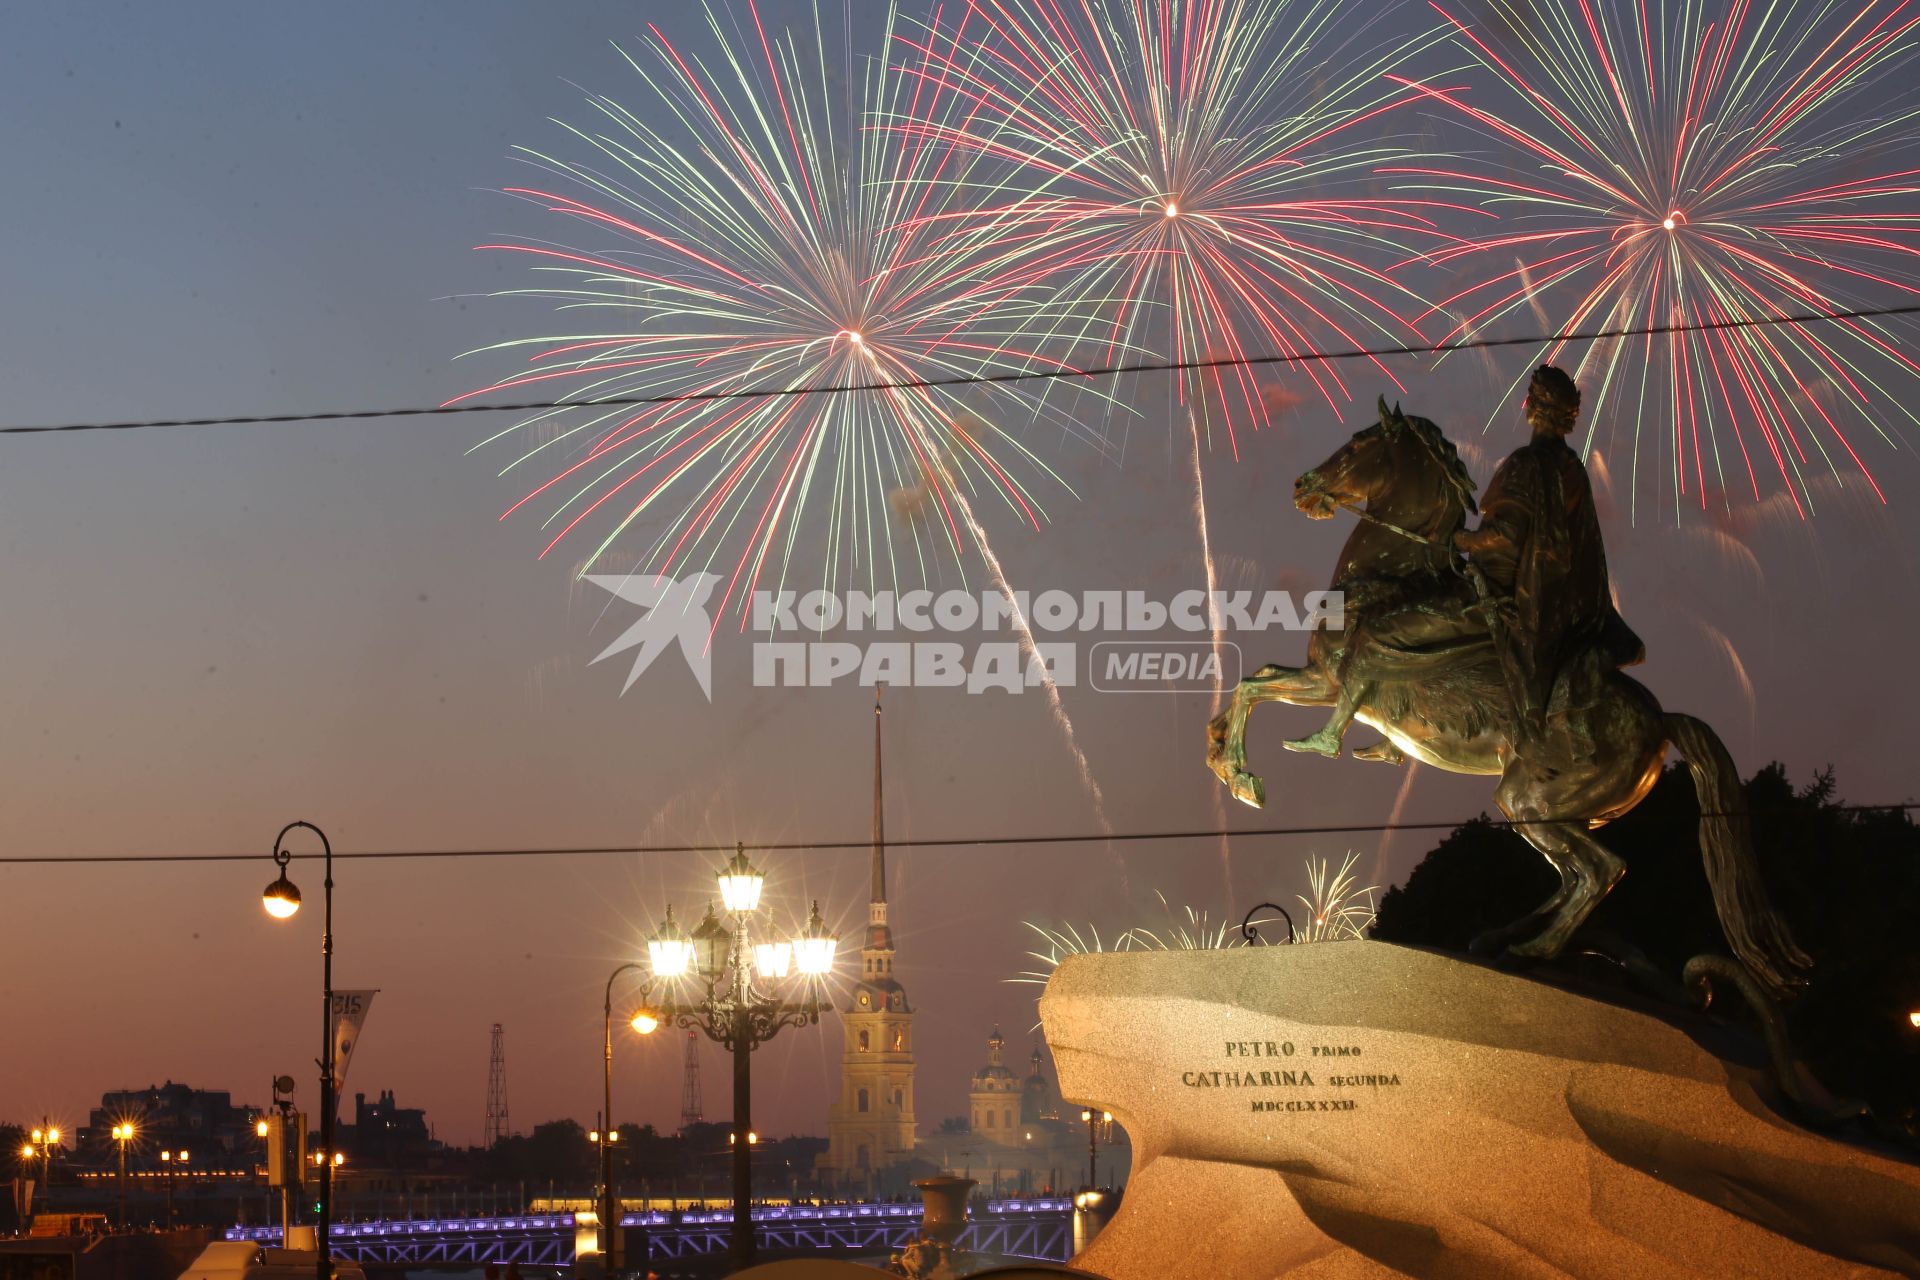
[(1699, 162), (1193, 173), (751, 234), (1054, 703), (1393, 819), (1213, 630)]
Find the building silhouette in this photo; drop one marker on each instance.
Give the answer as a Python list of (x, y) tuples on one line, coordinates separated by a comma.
[(175, 1117)]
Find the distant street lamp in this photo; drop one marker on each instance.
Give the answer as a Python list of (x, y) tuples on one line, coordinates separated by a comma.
[(123, 1134), (644, 1023), (45, 1139), (172, 1159), (281, 899), (745, 1003), (1099, 1125)]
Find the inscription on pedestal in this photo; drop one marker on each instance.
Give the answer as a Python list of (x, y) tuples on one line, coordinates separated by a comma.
[(1291, 1067)]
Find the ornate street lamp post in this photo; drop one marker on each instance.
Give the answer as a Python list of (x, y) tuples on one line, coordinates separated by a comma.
[(1099, 1123), (748, 997), (282, 899)]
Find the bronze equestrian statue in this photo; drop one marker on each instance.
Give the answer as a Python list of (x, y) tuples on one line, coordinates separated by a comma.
[(1505, 662)]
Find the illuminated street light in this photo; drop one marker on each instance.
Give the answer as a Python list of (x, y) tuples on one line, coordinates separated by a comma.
[(669, 952), (732, 1010), (45, 1138), (173, 1160), (740, 884), (772, 959), (813, 949), (282, 899), (123, 1134), (644, 1021), (1099, 1123)]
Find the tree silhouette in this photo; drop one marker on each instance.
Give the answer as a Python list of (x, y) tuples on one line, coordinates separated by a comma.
[(1848, 882)]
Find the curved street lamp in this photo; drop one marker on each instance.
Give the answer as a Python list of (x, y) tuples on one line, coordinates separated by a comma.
[(643, 1023), (281, 899), (751, 991)]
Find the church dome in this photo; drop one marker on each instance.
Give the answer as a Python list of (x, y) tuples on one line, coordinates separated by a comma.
[(1036, 1097), (996, 1076)]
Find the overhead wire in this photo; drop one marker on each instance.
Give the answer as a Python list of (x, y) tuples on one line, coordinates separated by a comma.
[(865, 842), (964, 380)]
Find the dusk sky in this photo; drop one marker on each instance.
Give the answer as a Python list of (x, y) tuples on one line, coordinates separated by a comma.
[(230, 208)]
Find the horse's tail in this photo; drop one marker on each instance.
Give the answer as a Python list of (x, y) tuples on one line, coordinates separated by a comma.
[(1757, 932)]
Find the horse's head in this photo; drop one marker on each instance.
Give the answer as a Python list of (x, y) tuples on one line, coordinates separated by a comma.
[(1399, 461), (1358, 470)]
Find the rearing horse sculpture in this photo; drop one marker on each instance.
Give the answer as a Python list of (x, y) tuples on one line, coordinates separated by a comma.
[(1452, 709)]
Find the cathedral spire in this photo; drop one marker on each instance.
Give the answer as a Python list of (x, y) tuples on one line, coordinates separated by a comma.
[(879, 816), (879, 936)]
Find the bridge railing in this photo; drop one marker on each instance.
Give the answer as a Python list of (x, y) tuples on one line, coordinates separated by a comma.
[(1033, 1228)]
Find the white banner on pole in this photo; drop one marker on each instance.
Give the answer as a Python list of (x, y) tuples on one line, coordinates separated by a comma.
[(349, 1015)]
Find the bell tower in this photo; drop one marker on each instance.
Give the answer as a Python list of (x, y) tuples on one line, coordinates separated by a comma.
[(871, 1127)]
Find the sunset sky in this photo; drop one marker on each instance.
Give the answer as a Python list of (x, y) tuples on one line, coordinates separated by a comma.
[(230, 208)]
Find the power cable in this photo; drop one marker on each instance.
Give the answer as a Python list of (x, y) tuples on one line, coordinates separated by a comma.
[(1042, 375), (796, 846)]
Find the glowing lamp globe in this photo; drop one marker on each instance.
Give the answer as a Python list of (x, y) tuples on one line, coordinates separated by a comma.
[(772, 959), (740, 884), (645, 1022), (669, 952), (281, 898), (813, 950)]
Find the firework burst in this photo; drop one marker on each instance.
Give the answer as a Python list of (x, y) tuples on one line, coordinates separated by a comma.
[(1699, 162), (751, 236), (1197, 176), (1338, 907)]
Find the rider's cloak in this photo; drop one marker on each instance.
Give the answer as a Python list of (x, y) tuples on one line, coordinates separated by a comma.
[(1551, 565)]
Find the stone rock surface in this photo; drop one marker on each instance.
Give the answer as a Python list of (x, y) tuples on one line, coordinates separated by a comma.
[(1358, 1109)]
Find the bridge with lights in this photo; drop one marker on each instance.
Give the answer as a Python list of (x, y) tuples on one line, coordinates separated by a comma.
[(1039, 1228)]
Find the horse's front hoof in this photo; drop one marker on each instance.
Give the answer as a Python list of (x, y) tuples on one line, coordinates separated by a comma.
[(1248, 789)]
